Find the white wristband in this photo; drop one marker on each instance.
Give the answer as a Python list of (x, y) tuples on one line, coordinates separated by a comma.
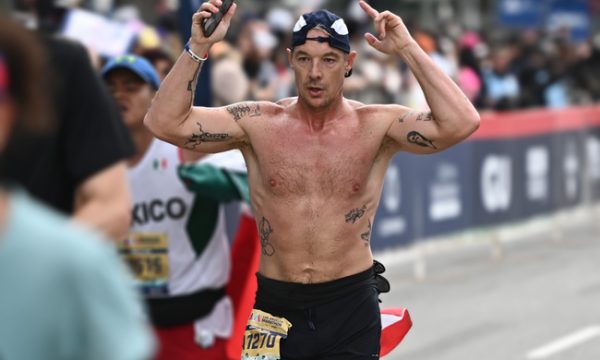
[(195, 56)]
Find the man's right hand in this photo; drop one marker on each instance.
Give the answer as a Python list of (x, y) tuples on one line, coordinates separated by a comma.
[(205, 11)]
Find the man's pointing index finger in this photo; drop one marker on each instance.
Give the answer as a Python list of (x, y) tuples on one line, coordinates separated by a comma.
[(368, 9)]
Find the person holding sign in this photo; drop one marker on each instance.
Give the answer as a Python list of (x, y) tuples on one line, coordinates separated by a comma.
[(316, 164)]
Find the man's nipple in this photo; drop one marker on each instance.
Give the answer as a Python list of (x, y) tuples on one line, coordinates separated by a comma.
[(272, 182), (355, 187)]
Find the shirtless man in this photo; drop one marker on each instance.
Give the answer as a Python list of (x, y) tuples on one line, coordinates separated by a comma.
[(316, 165)]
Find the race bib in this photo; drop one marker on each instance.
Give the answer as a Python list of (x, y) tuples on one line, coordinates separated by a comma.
[(148, 257), (263, 335)]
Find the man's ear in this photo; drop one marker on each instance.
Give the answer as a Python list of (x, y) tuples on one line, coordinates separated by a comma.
[(351, 58), (350, 63)]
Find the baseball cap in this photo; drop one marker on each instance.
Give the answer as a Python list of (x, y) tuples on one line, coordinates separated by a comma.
[(136, 64), (329, 22)]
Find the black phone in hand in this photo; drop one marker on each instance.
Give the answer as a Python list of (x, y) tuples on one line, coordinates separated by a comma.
[(210, 24)]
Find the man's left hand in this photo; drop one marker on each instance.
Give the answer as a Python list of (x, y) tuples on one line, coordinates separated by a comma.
[(393, 36)]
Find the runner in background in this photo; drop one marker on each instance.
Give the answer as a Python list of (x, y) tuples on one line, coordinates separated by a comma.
[(177, 246)]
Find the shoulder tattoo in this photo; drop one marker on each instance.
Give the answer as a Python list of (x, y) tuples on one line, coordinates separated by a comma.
[(239, 111)]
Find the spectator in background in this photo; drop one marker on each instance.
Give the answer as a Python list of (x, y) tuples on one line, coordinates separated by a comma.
[(65, 294), (177, 246), (502, 85), (373, 77), (229, 82), (534, 78), (469, 76), (79, 167), (586, 72), (256, 44), (280, 20), (556, 94)]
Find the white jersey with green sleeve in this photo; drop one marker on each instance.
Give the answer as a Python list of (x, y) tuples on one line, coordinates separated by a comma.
[(178, 242)]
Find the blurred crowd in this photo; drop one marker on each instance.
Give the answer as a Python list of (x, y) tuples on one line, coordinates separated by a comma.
[(497, 69), (531, 68), (86, 162)]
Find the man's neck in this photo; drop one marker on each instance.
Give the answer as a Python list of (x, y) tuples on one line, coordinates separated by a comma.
[(316, 118), (142, 138)]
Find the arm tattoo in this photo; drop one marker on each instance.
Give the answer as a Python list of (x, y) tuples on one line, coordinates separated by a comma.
[(418, 139), (241, 110), (355, 214), (191, 87), (265, 230), (404, 116), (203, 136), (425, 116), (366, 236)]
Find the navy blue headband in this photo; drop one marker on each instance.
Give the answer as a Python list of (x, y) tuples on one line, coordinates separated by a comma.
[(328, 22)]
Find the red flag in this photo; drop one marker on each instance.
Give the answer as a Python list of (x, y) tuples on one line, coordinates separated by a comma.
[(395, 324)]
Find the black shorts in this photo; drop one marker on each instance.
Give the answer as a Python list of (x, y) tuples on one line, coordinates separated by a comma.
[(339, 319)]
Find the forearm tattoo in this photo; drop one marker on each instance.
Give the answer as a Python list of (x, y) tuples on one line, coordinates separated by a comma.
[(416, 138), (355, 214), (202, 136), (240, 110), (366, 236), (191, 86), (265, 231)]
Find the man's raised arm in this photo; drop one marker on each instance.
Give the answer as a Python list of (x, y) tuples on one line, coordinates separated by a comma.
[(172, 116), (452, 117)]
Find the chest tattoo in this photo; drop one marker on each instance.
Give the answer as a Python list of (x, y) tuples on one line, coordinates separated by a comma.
[(355, 214)]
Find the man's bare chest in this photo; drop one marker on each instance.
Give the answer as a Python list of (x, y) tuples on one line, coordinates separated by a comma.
[(319, 164)]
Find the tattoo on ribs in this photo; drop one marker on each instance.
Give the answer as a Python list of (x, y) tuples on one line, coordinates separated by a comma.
[(366, 236), (203, 136), (265, 230), (241, 110), (416, 138), (355, 214), (425, 116)]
